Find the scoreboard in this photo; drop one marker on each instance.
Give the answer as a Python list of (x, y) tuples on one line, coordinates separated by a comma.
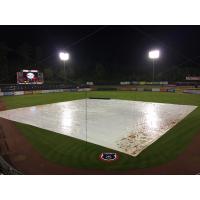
[(30, 77)]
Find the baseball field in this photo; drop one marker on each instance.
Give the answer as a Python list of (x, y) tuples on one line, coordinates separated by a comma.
[(74, 153)]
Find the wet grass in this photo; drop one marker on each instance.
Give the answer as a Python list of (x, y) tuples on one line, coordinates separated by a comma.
[(72, 152)]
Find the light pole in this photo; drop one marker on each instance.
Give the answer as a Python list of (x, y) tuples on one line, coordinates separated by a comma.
[(154, 54), (64, 56)]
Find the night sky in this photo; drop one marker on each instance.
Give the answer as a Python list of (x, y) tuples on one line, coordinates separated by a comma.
[(116, 47)]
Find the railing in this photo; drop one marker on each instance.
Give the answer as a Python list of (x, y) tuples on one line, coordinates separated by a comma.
[(7, 169)]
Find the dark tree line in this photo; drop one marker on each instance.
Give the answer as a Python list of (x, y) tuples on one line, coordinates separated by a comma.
[(26, 56)]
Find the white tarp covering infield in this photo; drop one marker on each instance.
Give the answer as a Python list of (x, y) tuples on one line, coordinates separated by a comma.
[(122, 125)]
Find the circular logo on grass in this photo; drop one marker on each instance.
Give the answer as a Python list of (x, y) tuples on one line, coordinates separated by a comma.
[(107, 156)]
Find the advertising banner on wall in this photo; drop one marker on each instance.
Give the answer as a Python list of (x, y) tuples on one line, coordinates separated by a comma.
[(193, 78)]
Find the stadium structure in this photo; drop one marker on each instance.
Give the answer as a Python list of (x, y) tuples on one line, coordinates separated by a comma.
[(63, 129), (106, 108)]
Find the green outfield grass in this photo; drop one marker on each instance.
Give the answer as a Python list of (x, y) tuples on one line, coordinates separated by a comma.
[(72, 152)]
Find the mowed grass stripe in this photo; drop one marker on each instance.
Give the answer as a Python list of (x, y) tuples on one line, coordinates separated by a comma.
[(75, 153)]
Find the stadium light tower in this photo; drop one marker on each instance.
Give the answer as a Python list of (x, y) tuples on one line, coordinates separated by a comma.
[(64, 56), (154, 54)]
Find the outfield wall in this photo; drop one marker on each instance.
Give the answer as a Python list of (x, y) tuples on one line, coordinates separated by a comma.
[(192, 91), (139, 89), (17, 93), (133, 88), (108, 88)]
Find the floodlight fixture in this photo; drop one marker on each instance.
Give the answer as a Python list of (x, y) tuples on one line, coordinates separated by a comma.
[(64, 56), (154, 54)]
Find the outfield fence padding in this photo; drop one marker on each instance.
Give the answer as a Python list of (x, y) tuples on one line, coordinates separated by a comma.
[(192, 91), (8, 93), (140, 89), (19, 93), (28, 92), (155, 89)]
